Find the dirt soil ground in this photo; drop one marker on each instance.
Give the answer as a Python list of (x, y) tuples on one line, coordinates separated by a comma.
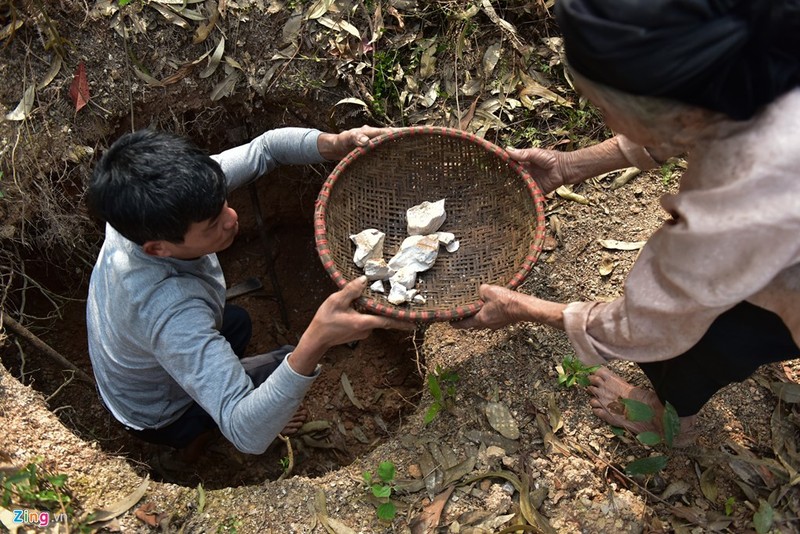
[(458, 474)]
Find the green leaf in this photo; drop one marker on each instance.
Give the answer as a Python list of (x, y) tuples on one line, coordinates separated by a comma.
[(430, 415), (123, 3), (637, 411), (583, 380), (387, 511), (434, 387), (386, 471), (671, 423), (762, 519), (367, 477), (729, 502), (58, 480), (617, 431), (649, 438), (381, 492), (646, 466)]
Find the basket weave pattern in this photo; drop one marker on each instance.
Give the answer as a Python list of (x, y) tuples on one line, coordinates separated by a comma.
[(493, 207)]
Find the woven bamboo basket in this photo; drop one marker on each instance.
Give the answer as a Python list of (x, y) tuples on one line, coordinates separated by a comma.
[(493, 206)]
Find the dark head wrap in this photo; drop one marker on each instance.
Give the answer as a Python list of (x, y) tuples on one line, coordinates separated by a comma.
[(730, 56)]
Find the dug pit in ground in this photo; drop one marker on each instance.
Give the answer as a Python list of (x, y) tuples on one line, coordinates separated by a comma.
[(360, 397)]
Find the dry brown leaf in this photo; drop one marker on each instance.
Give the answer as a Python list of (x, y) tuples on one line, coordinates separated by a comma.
[(613, 244), (398, 17), (554, 414), (566, 192), (533, 88), (79, 88), (340, 25), (467, 118), (626, 176), (147, 514), (427, 62), (505, 26), (170, 15), (52, 72), (348, 389), (25, 105), (606, 266), (490, 59), (204, 30), (377, 23), (500, 419), (214, 60), (9, 29), (226, 87), (119, 507), (708, 484), (291, 30), (428, 519), (318, 9)]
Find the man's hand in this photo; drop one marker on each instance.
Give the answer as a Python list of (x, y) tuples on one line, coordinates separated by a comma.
[(336, 146), (336, 323), (502, 307)]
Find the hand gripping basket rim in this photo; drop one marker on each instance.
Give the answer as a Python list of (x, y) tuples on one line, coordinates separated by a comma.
[(425, 316)]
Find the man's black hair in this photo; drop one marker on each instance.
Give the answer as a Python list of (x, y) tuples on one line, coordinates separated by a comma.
[(152, 185)]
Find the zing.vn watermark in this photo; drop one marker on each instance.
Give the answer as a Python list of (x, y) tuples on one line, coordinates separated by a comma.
[(42, 519)]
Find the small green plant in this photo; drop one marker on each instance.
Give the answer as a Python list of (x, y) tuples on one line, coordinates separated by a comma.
[(572, 372), (382, 489), (640, 412), (284, 463), (442, 385), (231, 524), (35, 487), (667, 173), (729, 506)]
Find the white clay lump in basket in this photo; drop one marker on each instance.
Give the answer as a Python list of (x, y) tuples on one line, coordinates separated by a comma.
[(417, 253)]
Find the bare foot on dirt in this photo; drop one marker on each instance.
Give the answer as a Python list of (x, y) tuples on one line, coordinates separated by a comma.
[(297, 420), (608, 388)]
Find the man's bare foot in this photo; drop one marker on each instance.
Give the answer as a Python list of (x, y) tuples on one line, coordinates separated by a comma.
[(297, 420), (608, 388)]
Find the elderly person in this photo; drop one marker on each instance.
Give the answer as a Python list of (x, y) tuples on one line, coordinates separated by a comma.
[(715, 293)]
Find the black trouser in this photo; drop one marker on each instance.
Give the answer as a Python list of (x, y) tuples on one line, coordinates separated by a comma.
[(736, 344), (237, 328)]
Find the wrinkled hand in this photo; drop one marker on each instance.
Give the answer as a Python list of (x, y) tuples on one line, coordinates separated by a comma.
[(336, 146), (337, 322), (544, 166), (499, 304)]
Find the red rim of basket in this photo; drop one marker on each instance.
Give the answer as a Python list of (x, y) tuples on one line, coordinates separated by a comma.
[(380, 308)]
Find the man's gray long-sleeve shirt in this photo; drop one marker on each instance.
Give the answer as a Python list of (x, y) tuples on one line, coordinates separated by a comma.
[(153, 325)]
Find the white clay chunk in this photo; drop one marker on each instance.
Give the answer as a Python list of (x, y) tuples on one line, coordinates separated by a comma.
[(369, 245), (417, 253), (425, 218), (378, 270), (378, 287), (419, 256)]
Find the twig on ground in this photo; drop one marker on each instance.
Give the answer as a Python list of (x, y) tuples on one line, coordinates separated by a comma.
[(44, 347), (21, 361), (288, 470), (62, 386)]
